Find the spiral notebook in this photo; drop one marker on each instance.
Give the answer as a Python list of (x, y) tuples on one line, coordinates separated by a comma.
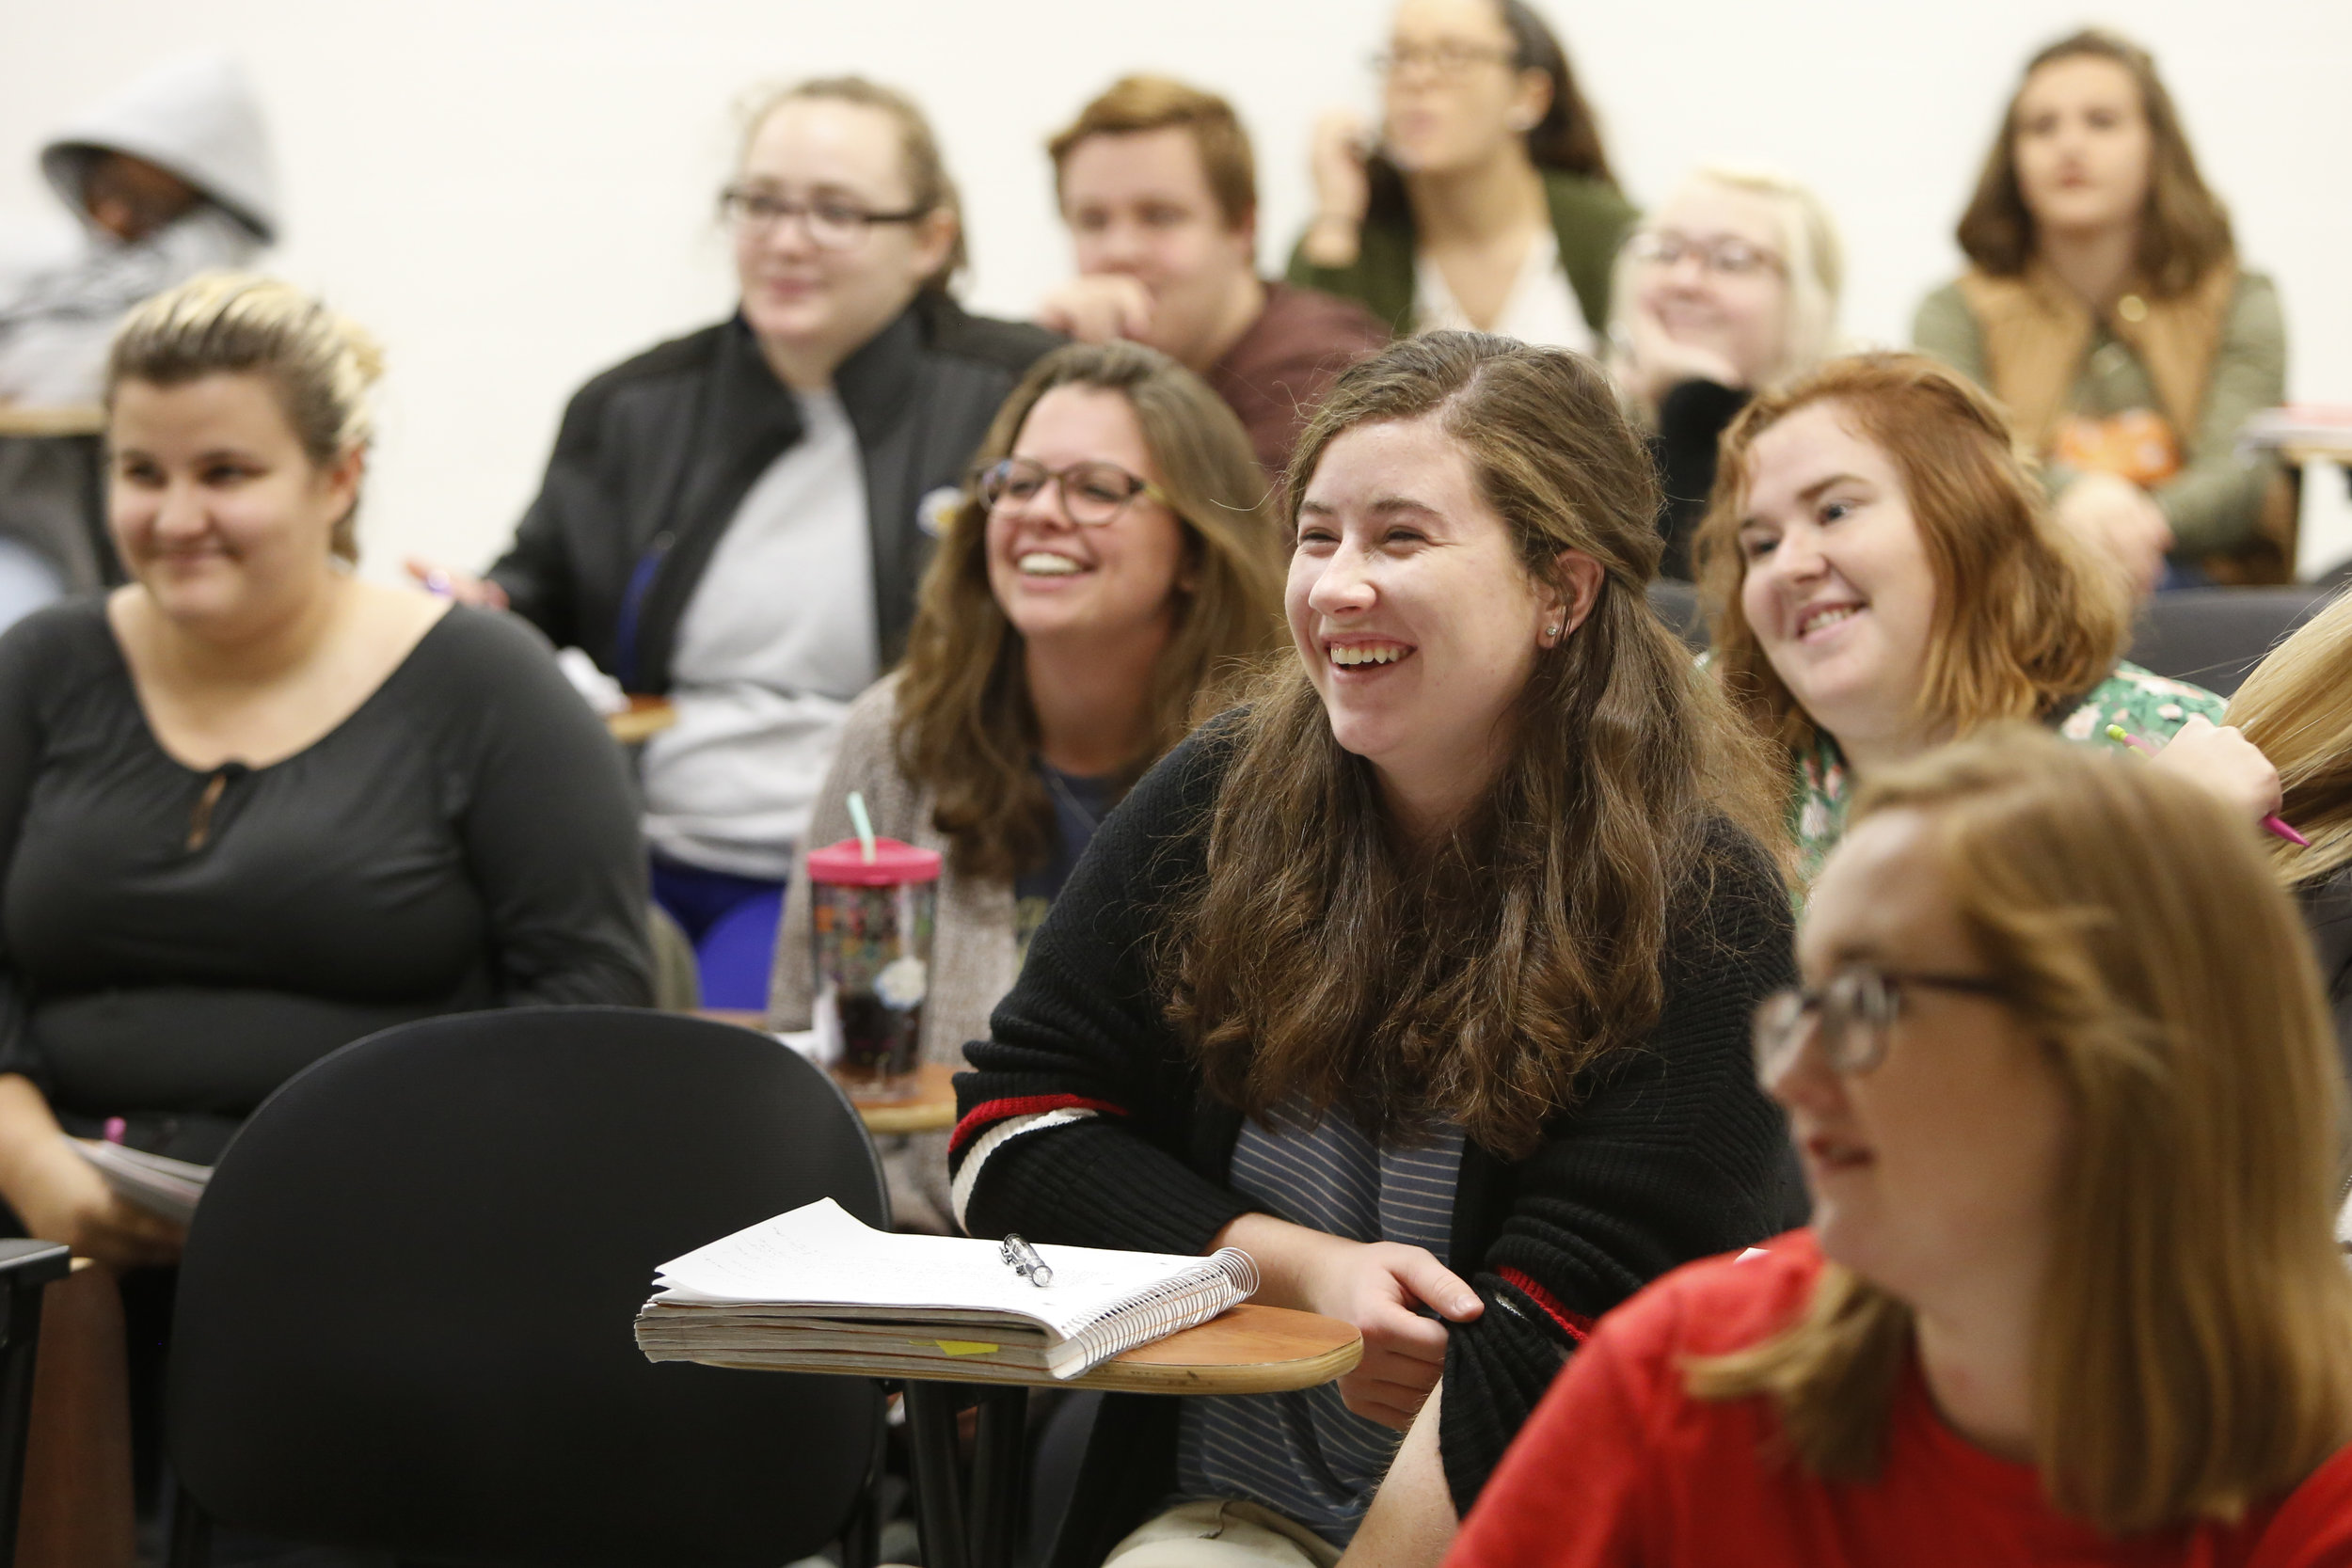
[(808, 1289)]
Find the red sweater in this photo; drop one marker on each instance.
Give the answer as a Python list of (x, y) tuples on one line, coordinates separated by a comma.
[(1620, 1466)]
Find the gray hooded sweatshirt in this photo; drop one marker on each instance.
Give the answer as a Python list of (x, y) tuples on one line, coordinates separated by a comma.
[(195, 117)]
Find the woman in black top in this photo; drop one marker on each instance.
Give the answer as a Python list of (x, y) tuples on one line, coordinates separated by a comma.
[(252, 808), (738, 518), (1424, 978)]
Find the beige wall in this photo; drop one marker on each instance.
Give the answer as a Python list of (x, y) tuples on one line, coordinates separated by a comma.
[(514, 193)]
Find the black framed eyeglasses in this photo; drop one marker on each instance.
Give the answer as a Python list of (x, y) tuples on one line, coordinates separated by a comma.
[(831, 223), (1093, 494), (1853, 1014)]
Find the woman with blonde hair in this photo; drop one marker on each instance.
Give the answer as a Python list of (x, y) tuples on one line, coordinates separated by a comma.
[(1111, 570), (253, 807), (2297, 708), (1423, 977), (2105, 305), (1729, 287), (2070, 1121), (1881, 574)]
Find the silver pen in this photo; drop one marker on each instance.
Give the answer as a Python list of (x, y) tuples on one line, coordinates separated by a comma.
[(1021, 1259)]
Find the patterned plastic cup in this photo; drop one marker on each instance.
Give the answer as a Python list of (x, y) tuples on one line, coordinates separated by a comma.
[(870, 929)]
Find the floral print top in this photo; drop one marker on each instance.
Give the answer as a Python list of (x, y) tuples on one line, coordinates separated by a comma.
[(2143, 704)]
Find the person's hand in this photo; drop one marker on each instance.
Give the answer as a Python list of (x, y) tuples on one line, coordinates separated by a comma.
[(1342, 188), (1377, 1285), (1657, 360), (2119, 519), (61, 1197), (1099, 308), (2218, 758), (464, 587), (1374, 1286)]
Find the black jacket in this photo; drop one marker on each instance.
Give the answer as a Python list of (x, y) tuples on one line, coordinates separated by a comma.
[(1673, 1154), (1692, 419), (656, 453)]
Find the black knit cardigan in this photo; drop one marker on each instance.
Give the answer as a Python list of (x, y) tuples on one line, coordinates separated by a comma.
[(1671, 1153)]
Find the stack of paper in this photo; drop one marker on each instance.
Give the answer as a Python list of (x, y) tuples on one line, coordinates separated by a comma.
[(160, 1186), (2309, 426), (813, 1288)]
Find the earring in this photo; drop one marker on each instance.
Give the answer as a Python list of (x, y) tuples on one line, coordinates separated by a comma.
[(1551, 631)]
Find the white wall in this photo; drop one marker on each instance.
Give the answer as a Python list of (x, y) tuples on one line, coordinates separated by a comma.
[(514, 192)]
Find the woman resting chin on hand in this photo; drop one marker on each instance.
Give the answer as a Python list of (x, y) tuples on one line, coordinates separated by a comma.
[(1402, 979)]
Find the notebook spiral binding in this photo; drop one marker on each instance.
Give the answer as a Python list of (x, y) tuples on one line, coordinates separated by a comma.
[(1225, 1277)]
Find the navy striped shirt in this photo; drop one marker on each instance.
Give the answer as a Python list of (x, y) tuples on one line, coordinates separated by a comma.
[(1305, 1455)]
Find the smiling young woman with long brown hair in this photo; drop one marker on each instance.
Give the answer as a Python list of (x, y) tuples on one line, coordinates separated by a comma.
[(1423, 977), (1111, 569)]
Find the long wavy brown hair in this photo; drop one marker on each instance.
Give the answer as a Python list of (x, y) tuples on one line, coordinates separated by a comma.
[(965, 726), (2193, 1352), (2025, 619), (2184, 230), (1323, 959)]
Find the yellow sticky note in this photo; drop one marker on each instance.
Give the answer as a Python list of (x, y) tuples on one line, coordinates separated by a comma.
[(964, 1347)]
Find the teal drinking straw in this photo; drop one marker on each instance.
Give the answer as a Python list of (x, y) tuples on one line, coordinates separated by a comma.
[(865, 826)]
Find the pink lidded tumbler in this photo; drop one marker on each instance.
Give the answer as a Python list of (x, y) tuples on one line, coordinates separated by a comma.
[(871, 914)]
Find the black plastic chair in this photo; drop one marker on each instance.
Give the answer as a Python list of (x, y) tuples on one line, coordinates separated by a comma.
[(403, 1314), (1677, 605), (2213, 637), (27, 1268)]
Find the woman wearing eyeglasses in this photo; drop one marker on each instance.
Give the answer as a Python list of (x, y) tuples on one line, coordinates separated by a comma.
[(1881, 574), (1730, 286), (1112, 565), (738, 518), (1488, 202), (2063, 1084), (1423, 976)]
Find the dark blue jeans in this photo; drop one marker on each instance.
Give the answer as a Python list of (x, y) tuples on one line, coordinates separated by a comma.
[(732, 922)]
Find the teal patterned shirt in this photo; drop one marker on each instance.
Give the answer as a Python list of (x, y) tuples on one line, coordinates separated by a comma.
[(2144, 703)]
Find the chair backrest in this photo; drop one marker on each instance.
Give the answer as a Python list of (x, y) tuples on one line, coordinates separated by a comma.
[(403, 1314), (1677, 605), (2213, 637)]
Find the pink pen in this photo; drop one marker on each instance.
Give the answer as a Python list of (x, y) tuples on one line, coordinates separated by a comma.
[(116, 1128), (2146, 747)]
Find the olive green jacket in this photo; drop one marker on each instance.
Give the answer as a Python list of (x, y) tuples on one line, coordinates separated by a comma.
[(2215, 502), (1589, 217)]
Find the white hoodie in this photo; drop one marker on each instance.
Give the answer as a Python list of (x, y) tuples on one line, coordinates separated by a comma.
[(195, 117)]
